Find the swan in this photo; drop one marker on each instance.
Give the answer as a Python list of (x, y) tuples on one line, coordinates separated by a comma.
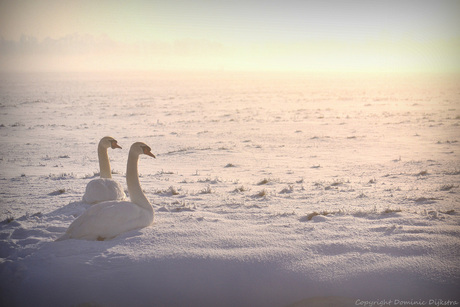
[(104, 188), (108, 219)]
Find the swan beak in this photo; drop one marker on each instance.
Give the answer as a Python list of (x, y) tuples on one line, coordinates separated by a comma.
[(147, 151), (115, 145)]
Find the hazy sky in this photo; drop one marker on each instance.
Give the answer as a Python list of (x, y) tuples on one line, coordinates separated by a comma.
[(342, 35)]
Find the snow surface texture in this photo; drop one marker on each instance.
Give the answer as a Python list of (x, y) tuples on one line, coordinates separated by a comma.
[(267, 190)]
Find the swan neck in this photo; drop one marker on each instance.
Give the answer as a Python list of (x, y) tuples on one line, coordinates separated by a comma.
[(104, 163), (134, 188)]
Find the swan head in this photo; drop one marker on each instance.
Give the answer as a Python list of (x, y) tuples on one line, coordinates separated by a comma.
[(140, 148), (109, 141)]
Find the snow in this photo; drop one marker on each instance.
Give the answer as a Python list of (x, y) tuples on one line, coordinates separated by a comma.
[(268, 189)]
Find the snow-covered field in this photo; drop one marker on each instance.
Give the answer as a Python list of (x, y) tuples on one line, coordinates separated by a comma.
[(268, 189)]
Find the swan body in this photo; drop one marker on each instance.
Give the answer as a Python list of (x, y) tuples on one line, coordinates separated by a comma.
[(104, 188), (108, 219)]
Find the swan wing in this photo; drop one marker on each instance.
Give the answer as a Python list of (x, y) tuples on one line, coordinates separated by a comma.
[(107, 220), (103, 189)]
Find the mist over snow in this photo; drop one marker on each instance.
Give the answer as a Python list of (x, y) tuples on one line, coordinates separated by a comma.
[(86, 52), (268, 189)]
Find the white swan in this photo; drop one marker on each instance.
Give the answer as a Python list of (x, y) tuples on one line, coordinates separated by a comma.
[(108, 219), (104, 188)]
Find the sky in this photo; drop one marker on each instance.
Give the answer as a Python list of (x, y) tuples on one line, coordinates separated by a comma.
[(282, 35)]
